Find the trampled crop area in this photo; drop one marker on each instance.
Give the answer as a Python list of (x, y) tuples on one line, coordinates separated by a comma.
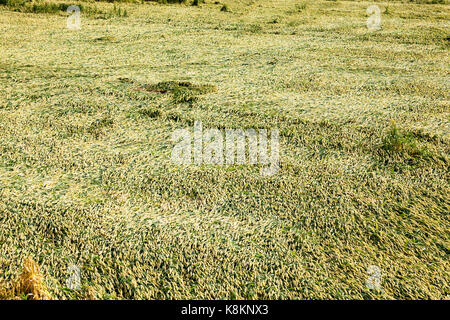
[(88, 181)]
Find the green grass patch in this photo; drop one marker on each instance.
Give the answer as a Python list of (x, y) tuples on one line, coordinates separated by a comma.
[(181, 91), (398, 141), (32, 6)]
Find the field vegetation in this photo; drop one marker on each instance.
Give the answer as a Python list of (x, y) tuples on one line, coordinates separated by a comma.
[(86, 177)]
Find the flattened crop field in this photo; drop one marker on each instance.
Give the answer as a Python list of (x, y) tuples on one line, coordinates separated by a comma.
[(87, 178)]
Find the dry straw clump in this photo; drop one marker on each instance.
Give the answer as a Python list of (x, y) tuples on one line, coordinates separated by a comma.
[(30, 284)]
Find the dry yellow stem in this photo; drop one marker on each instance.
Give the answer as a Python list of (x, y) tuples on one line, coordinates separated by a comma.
[(31, 282)]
